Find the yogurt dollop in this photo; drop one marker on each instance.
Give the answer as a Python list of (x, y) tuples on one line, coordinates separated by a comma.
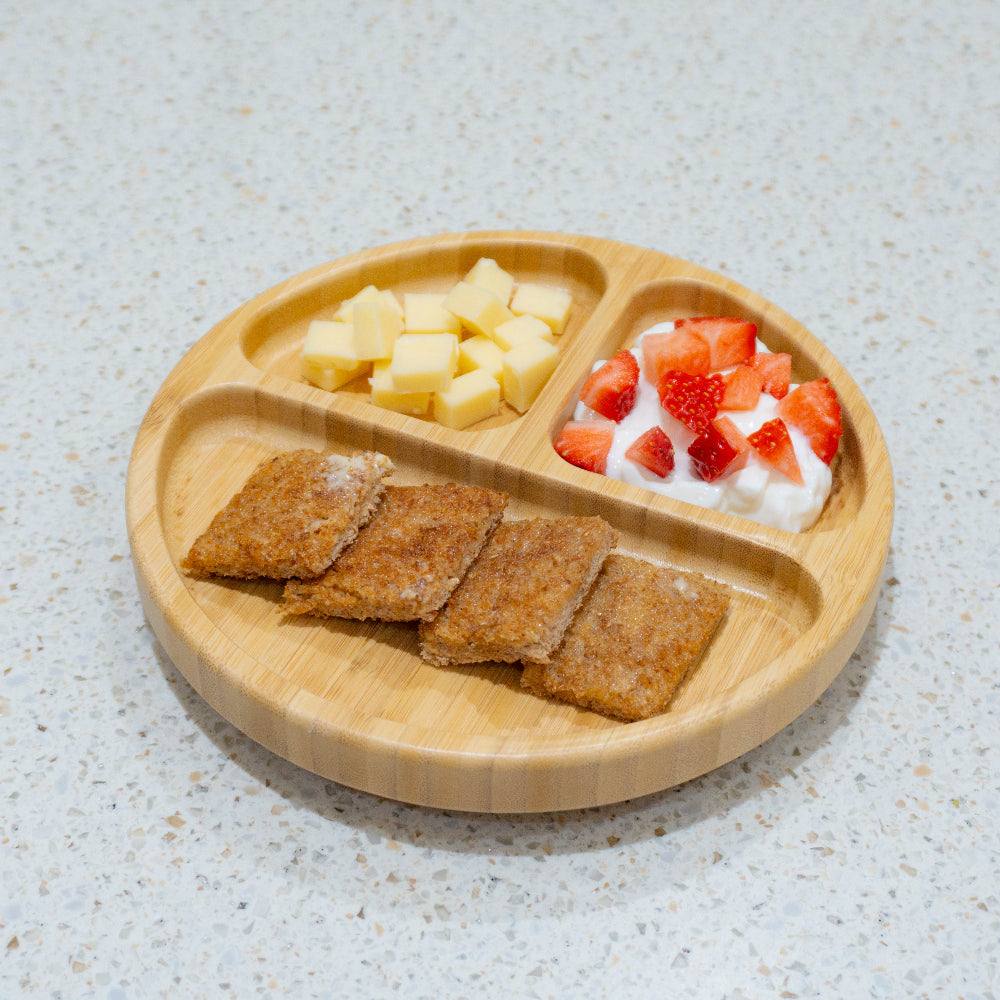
[(757, 491)]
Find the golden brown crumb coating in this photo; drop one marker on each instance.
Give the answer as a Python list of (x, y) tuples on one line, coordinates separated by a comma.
[(408, 559), (637, 635), (292, 518), (519, 595)]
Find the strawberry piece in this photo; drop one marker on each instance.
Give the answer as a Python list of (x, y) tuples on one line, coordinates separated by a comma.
[(653, 450), (677, 350), (743, 388), (711, 454), (611, 389), (813, 408), (586, 443), (773, 443), (777, 372), (730, 341), (735, 437), (692, 399)]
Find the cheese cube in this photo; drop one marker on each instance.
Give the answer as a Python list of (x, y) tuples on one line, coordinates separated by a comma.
[(383, 394), (423, 362), (478, 309), (330, 344), (481, 352), (370, 293), (526, 368), (424, 312), (332, 378), (488, 274), (549, 304), (376, 327), (511, 333), (471, 397)]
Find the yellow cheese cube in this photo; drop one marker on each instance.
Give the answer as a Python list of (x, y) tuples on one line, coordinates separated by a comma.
[(481, 352), (471, 397), (423, 362), (424, 312), (384, 395), (478, 309), (370, 293), (511, 333), (549, 304), (488, 274), (333, 378), (330, 344), (526, 368), (376, 327)]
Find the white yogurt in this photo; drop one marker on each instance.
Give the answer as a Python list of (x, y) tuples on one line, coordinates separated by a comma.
[(757, 491)]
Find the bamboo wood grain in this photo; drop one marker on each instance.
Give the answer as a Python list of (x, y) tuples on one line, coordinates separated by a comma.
[(352, 701)]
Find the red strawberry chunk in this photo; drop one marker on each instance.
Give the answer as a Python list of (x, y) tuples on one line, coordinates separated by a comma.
[(711, 454), (773, 443), (611, 389), (776, 370), (586, 443), (813, 408), (677, 350), (735, 437), (692, 399), (653, 450), (730, 341), (743, 388)]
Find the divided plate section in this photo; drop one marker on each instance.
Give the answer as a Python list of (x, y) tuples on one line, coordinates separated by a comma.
[(273, 336), (366, 677), (676, 298)]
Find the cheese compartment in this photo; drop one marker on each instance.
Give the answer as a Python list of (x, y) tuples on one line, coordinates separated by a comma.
[(466, 274)]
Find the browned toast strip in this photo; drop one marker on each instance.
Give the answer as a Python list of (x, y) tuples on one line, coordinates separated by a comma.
[(520, 594), (637, 635), (292, 518), (408, 559)]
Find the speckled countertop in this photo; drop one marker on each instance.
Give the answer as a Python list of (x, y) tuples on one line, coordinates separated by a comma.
[(161, 163)]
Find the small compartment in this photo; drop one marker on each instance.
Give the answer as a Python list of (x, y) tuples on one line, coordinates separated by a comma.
[(675, 298), (273, 336), (218, 437)]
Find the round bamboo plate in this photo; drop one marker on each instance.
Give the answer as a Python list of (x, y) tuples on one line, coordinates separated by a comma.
[(353, 701)]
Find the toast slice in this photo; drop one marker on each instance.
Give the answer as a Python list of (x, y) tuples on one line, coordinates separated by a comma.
[(408, 559), (292, 518), (518, 597), (636, 637)]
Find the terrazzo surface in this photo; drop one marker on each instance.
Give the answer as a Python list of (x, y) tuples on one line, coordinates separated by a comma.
[(161, 163)]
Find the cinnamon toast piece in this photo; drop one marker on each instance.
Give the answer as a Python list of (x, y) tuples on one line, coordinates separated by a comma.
[(292, 517), (636, 637), (408, 559), (521, 592)]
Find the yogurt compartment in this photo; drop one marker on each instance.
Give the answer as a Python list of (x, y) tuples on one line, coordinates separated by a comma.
[(757, 491)]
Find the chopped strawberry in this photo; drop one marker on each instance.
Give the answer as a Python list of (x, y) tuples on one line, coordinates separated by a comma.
[(692, 399), (586, 443), (777, 372), (730, 341), (743, 388), (653, 450), (611, 389), (677, 350), (773, 443), (813, 408), (735, 437), (711, 453)]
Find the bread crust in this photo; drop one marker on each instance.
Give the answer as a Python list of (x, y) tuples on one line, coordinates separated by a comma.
[(521, 592), (408, 559), (292, 517), (634, 640)]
